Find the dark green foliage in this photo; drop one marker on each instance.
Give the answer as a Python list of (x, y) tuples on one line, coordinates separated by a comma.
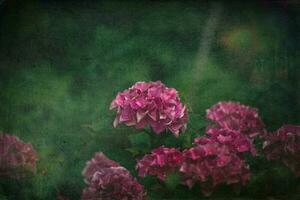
[(140, 143), (62, 63)]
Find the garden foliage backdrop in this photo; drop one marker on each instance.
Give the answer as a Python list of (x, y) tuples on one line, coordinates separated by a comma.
[(63, 62)]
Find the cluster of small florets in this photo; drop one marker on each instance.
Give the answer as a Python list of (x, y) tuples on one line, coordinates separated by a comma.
[(219, 157), (107, 180), (213, 163), (236, 141), (16, 157), (284, 145), (215, 159), (209, 162), (161, 162), (151, 104), (238, 117), (98, 162)]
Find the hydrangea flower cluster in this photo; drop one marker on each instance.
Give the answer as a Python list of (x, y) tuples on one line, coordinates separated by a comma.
[(151, 104), (98, 162), (236, 116), (161, 162), (215, 159), (107, 180), (284, 145), (218, 158), (16, 157), (212, 163), (233, 139)]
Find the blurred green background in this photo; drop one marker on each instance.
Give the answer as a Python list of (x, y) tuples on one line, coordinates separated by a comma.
[(63, 62)]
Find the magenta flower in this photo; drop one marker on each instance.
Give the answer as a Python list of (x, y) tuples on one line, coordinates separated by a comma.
[(284, 145), (235, 116), (161, 162), (213, 163), (107, 180), (99, 161), (233, 139), (151, 104), (16, 157)]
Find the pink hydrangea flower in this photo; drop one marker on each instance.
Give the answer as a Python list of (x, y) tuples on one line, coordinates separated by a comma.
[(107, 180), (236, 116), (284, 145), (233, 139), (161, 162), (16, 157), (151, 104), (99, 161), (213, 163)]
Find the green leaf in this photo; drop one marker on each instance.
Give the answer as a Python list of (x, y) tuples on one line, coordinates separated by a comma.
[(133, 151), (140, 142), (172, 181)]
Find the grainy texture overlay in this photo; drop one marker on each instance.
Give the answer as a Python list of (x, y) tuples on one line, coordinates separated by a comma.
[(63, 62)]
